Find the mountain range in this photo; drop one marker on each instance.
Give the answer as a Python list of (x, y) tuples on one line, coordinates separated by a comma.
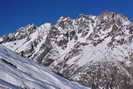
[(95, 51)]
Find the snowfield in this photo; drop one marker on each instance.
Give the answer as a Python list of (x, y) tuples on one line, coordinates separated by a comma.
[(18, 73)]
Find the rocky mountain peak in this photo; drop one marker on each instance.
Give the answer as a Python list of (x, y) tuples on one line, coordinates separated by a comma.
[(28, 27), (63, 19)]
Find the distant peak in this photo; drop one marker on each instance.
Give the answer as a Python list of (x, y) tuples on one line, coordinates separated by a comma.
[(64, 18), (113, 15), (27, 28), (46, 25)]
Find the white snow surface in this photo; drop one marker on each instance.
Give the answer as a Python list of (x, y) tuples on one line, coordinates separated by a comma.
[(17, 72)]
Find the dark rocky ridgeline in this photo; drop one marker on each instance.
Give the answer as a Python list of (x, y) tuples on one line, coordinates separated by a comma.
[(96, 51)]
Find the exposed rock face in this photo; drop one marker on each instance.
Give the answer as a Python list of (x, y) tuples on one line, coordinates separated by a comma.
[(96, 51)]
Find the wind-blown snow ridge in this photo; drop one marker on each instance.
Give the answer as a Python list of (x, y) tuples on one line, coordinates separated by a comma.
[(17, 73)]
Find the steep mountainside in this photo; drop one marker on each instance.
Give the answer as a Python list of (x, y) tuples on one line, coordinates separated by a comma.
[(19, 73), (96, 51)]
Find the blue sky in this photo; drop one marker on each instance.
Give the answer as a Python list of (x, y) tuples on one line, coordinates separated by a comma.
[(17, 13)]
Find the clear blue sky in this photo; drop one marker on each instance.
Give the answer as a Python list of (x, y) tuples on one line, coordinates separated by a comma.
[(17, 13)]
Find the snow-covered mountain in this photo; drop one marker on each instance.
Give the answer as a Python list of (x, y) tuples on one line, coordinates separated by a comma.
[(17, 72), (96, 51)]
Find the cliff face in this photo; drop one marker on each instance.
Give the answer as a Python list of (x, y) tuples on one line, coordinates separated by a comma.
[(96, 51)]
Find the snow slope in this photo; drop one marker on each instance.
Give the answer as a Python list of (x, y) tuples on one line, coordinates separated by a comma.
[(17, 73)]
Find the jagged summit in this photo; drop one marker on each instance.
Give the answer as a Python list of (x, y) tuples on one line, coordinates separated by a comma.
[(93, 50), (28, 27)]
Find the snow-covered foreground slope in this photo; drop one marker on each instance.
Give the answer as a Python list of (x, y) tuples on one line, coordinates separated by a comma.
[(17, 73)]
